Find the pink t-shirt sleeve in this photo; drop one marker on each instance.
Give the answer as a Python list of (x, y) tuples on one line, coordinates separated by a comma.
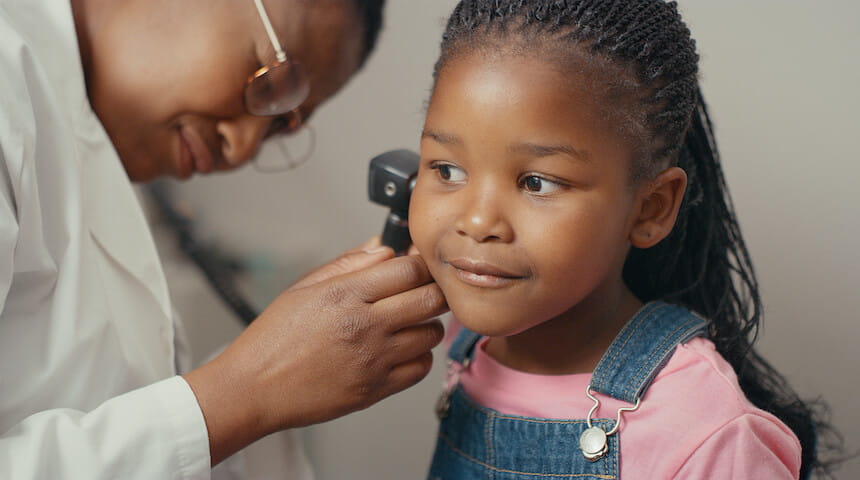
[(748, 447)]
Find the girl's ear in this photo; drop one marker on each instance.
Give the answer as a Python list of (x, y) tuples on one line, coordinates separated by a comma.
[(659, 204)]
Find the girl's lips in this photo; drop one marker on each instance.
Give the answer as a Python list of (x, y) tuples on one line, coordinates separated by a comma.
[(484, 275), (483, 281), (201, 157)]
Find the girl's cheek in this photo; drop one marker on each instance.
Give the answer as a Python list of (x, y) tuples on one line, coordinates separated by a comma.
[(417, 219), (433, 218)]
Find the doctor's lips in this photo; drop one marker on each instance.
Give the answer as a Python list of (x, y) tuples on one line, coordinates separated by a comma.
[(195, 155), (481, 274)]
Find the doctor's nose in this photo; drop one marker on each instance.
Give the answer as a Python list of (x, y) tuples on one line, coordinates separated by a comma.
[(484, 220), (241, 137)]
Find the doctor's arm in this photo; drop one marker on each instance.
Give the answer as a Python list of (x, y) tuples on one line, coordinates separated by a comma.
[(154, 432), (338, 341)]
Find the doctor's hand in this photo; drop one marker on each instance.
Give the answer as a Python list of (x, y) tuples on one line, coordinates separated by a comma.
[(346, 336)]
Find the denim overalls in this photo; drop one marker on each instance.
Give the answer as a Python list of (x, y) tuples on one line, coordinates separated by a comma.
[(479, 443)]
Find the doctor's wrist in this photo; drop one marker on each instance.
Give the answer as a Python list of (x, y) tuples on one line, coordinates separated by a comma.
[(231, 417)]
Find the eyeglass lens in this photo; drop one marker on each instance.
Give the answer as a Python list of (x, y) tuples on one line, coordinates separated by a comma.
[(277, 89)]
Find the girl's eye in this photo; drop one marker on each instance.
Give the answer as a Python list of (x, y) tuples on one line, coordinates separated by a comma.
[(449, 173), (538, 185)]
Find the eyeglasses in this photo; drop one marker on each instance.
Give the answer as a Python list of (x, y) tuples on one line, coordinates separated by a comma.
[(278, 90), (290, 150)]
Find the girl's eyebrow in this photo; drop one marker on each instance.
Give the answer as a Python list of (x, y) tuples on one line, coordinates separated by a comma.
[(538, 150), (528, 148), (441, 137)]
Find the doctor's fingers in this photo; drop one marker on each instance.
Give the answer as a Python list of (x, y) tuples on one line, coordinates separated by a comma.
[(412, 343), (409, 308), (407, 374), (348, 262), (387, 279)]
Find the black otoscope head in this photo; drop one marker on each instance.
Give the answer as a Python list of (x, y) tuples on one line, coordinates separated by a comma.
[(389, 183)]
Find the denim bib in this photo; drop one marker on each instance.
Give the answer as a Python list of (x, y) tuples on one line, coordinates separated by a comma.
[(476, 442)]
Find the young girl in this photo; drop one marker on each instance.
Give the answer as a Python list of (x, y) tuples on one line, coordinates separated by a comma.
[(571, 206)]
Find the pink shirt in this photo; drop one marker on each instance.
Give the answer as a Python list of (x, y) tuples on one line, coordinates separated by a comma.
[(693, 423)]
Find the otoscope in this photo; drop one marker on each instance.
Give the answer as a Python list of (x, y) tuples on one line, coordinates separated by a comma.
[(389, 183)]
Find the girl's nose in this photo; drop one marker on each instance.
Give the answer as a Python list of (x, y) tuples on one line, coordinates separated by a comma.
[(241, 137), (484, 220)]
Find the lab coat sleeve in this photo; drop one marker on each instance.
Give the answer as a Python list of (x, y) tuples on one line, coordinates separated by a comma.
[(8, 226), (156, 431)]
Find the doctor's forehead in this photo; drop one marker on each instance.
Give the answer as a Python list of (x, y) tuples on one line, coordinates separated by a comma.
[(295, 20)]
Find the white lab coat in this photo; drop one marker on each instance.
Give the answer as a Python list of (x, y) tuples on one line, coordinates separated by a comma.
[(88, 384)]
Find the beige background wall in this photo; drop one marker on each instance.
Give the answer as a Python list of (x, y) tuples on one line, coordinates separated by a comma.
[(782, 80)]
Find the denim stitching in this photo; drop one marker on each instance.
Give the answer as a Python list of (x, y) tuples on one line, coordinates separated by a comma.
[(486, 411), (488, 440), (502, 470), (615, 350), (678, 335), (614, 470), (489, 430), (599, 372), (647, 366), (669, 343)]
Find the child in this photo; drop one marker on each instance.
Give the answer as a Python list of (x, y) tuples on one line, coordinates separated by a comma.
[(571, 206)]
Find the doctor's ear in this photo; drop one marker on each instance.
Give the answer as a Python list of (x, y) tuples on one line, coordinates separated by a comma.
[(658, 207)]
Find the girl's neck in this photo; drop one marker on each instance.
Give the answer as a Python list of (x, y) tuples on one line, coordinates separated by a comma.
[(570, 343)]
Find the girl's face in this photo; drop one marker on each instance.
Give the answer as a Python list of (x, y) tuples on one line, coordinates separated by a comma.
[(160, 71), (523, 204)]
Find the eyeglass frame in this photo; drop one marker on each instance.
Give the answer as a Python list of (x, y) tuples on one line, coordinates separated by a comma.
[(296, 114)]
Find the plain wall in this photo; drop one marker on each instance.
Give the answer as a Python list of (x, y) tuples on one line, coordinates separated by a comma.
[(781, 78)]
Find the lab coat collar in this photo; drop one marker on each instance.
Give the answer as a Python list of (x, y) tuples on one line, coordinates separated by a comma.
[(111, 221), (61, 60)]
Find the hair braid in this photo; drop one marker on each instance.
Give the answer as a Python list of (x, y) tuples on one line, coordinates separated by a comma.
[(704, 263)]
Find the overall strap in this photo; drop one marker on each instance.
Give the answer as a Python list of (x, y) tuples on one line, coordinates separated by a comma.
[(463, 345), (642, 348)]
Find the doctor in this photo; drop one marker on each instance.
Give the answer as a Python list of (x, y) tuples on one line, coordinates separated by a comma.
[(95, 93)]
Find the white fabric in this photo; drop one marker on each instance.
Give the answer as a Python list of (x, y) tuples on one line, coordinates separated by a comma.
[(88, 385)]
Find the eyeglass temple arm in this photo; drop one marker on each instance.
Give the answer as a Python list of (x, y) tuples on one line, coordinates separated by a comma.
[(279, 52)]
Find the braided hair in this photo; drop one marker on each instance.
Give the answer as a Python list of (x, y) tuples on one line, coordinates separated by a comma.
[(653, 89)]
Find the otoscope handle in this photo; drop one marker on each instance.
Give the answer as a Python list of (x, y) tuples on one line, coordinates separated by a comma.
[(396, 234)]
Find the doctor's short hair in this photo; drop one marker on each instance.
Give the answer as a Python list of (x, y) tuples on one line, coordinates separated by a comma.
[(370, 12)]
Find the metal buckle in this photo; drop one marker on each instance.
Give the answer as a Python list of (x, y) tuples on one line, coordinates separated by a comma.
[(593, 442)]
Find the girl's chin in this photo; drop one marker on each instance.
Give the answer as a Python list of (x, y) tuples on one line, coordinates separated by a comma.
[(490, 325)]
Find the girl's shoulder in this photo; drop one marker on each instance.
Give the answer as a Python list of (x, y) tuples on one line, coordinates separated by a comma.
[(697, 405), (701, 383)]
